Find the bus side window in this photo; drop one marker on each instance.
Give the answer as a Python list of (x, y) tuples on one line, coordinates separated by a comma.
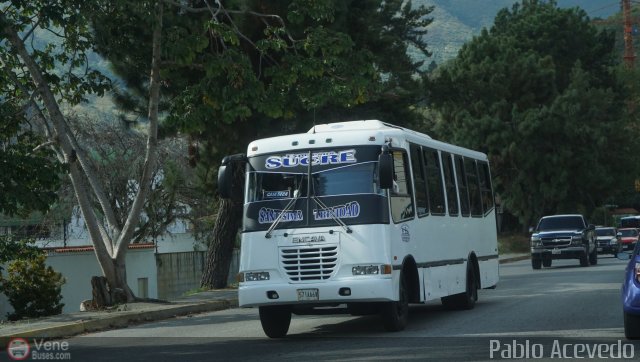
[(463, 190), (434, 181), (474, 188), (450, 184), (422, 201), (485, 186), (401, 198)]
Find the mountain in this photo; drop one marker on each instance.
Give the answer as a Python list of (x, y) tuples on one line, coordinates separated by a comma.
[(456, 21)]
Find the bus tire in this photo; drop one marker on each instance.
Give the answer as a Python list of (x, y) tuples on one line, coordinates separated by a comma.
[(467, 299), (395, 315), (275, 320)]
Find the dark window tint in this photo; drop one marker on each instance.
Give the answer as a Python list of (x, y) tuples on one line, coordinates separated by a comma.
[(474, 187), (463, 190), (485, 186), (434, 181), (450, 184), (422, 203), (401, 194)]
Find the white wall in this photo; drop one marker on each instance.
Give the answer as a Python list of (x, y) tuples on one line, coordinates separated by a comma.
[(78, 268)]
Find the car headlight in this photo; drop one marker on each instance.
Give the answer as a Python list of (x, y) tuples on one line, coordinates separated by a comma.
[(576, 239), (535, 241), (613, 241)]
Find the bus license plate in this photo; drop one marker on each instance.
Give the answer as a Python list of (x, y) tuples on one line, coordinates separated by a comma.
[(308, 294), (555, 251)]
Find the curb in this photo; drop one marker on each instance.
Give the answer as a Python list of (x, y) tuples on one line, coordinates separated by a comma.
[(119, 321)]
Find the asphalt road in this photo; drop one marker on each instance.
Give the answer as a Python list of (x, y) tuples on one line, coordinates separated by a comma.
[(543, 311)]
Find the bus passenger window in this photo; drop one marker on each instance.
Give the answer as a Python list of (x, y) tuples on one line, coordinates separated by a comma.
[(485, 186), (463, 190), (450, 184), (434, 181), (417, 166), (401, 198), (474, 187)]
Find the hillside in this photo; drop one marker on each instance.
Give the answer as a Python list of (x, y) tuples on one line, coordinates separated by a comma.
[(457, 21)]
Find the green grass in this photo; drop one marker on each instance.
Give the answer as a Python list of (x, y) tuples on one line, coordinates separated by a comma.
[(513, 243)]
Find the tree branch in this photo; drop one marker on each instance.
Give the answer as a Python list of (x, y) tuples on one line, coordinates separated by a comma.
[(58, 123), (152, 139)]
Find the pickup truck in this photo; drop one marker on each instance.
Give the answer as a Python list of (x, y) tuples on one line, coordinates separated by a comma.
[(563, 237)]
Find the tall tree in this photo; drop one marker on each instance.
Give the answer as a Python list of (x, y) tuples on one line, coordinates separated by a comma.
[(538, 92), (44, 92), (29, 173), (246, 69)]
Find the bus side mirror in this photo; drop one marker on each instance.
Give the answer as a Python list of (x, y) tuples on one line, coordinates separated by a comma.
[(225, 174), (224, 182), (385, 168)]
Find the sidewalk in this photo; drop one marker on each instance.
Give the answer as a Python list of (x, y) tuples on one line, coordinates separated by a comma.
[(65, 325)]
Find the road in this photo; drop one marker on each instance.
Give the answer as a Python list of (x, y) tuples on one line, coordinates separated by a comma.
[(565, 303)]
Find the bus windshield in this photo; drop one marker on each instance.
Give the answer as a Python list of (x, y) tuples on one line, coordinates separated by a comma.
[(344, 185), (346, 180)]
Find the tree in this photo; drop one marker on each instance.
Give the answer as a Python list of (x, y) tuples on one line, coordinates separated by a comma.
[(538, 92), (248, 69), (43, 92), (29, 174)]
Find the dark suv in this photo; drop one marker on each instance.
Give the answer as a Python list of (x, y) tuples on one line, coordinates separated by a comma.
[(563, 237)]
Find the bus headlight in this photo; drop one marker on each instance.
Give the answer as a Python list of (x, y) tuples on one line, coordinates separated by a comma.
[(365, 269), (253, 276), (372, 269)]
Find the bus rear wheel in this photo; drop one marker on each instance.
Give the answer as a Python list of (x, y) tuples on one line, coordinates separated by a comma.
[(275, 320), (467, 299), (395, 315)]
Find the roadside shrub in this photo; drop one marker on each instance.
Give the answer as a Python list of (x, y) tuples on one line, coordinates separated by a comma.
[(33, 289)]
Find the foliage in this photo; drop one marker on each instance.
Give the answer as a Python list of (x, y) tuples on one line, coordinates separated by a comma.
[(33, 289), (29, 176), (12, 249), (539, 94), (43, 92)]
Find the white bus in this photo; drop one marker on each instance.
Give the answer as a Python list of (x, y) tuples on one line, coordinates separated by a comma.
[(391, 217)]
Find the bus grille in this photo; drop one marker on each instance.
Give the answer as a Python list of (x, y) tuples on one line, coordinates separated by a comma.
[(304, 264)]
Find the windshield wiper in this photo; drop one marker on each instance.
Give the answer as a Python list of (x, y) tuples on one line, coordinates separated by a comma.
[(275, 223), (332, 214)]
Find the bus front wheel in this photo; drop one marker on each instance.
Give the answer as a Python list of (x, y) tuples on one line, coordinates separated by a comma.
[(396, 314), (275, 320)]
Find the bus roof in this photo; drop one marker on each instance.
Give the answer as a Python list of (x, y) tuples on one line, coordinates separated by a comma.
[(352, 133)]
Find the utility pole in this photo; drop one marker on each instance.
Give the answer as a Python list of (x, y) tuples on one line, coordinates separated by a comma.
[(629, 55)]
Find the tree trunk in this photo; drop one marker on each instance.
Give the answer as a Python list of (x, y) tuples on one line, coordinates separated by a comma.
[(112, 288), (228, 221)]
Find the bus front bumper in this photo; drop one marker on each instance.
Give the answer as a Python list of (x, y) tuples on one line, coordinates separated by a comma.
[(367, 289)]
